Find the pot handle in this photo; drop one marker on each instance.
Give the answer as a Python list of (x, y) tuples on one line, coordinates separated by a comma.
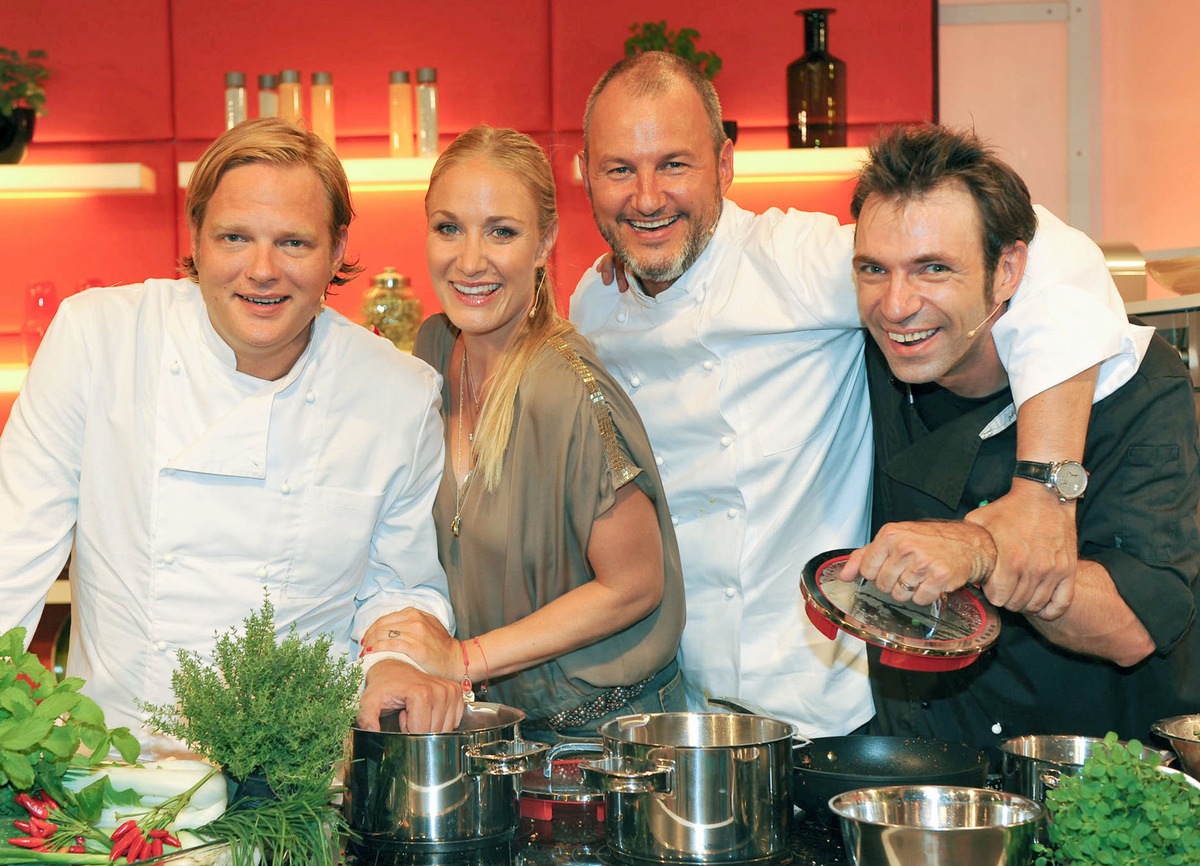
[(558, 750), (1050, 779), (505, 757), (628, 776)]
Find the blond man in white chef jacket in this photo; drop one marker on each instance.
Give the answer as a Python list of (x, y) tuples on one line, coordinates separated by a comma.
[(739, 343), (202, 440)]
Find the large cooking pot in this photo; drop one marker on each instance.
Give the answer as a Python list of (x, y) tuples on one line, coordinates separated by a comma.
[(829, 766), (696, 787), (1034, 764), (451, 789)]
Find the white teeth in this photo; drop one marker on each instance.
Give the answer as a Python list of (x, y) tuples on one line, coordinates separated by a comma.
[(265, 302), (485, 289), (655, 224), (911, 338)]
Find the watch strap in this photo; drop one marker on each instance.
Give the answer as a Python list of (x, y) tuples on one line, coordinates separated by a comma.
[(1033, 470)]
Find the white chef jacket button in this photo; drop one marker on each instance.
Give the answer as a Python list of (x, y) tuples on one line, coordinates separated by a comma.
[(262, 572), (726, 441), (708, 365), (730, 592), (674, 520), (658, 461), (175, 368), (310, 397), (997, 728), (621, 316), (732, 512), (635, 382), (285, 488), (161, 646), (168, 558)]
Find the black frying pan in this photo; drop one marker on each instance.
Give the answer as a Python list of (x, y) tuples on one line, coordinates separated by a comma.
[(833, 765)]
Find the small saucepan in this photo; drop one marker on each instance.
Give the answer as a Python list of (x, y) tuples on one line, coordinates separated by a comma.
[(829, 766)]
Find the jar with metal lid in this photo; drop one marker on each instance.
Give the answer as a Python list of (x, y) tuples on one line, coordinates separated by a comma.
[(391, 308)]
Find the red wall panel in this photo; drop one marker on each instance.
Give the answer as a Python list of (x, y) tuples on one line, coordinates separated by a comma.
[(111, 64)]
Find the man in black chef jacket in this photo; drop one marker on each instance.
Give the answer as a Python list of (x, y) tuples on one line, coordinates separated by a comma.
[(940, 246)]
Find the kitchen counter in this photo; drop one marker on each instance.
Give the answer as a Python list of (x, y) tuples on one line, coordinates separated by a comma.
[(575, 837)]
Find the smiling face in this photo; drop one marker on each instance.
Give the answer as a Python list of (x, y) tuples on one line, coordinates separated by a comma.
[(654, 180), (484, 248), (922, 288), (264, 257)]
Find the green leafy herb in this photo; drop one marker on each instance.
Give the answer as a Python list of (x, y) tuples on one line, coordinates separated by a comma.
[(654, 36), (281, 710), (44, 722), (298, 831), (1121, 810)]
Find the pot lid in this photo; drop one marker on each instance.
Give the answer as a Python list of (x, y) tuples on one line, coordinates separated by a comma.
[(911, 636)]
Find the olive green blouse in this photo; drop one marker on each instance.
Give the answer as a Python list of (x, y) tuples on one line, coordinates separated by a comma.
[(576, 439)]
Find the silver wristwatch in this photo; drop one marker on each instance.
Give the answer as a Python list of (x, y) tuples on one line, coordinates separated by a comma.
[(1066, 479)]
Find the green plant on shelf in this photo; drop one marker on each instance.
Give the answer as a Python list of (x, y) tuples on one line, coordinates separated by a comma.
[(22, 81), (654, 36)]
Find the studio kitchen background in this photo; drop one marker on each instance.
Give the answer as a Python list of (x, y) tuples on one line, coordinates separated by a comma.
[(1094, 102)]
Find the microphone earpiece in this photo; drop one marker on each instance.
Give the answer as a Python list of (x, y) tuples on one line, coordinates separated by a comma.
[(971, 333)]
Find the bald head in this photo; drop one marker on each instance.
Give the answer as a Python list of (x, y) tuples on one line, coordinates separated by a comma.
[(653, 73)]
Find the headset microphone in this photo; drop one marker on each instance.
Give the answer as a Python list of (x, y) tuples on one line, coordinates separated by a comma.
[(971, 333)]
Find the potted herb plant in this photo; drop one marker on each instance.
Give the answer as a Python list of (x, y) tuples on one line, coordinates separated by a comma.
[(274, 714), (22, 99), (655, 36)]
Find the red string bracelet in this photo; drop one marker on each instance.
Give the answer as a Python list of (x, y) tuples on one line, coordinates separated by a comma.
[(468, 694), (487, 669)]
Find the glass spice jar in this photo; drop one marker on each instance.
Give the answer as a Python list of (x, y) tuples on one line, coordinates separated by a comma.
[(392, 309)]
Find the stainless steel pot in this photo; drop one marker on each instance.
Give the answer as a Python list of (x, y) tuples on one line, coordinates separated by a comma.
[(451, 789), (1034, 764), (696, 787)]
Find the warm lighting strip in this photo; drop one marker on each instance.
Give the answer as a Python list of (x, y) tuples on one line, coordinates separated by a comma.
[(790, 165), (11, 377), (56, 181), (383, 174)]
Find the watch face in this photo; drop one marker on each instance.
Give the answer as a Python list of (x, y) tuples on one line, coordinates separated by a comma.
[(1070, 479)]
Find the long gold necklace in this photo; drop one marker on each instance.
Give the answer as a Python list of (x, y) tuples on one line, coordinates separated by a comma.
[(464, 485)]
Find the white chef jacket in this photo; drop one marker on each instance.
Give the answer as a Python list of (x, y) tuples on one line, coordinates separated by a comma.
[(748, 373), (190, 489)]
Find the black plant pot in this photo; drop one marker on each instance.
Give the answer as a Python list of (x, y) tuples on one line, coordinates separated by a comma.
[(15, 134), (253, 789)]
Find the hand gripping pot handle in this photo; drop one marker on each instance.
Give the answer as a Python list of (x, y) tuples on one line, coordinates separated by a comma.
[(628, 775), (505, 757)]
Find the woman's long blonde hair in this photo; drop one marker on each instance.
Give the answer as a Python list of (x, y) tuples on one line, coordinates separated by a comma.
[(521, 156)]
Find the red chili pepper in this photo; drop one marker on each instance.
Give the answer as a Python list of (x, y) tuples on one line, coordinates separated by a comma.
[(122, 845), (156, 848), (41, 827), (48, 800), (139, 852), (27, 842), (34, 807), (77, 849), (125, 828), (157, 834), (172, 841), (24, 826)]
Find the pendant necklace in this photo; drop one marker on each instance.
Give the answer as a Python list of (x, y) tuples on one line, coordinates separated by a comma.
[(464, 485)]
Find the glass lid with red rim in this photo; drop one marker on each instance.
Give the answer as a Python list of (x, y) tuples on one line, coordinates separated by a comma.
[(940, 637)]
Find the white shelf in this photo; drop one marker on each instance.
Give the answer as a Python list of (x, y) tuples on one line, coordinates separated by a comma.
[(383, 173), (791, 165), (20, 181)]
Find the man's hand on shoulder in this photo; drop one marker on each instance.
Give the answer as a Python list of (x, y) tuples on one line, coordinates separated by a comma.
[(1037, 547), (427, 704), (918, 561), (610, 268)]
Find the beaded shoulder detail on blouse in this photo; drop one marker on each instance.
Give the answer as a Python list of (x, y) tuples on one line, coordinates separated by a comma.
[(608, 434)]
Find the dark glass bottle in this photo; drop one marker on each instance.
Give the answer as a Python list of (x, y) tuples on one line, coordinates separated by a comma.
[(816, 88)]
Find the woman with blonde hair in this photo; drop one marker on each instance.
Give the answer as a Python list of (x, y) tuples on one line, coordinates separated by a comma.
[(552, 523)]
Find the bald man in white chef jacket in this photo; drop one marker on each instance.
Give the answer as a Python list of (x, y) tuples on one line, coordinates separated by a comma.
[(203, 440), (739, 343)]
